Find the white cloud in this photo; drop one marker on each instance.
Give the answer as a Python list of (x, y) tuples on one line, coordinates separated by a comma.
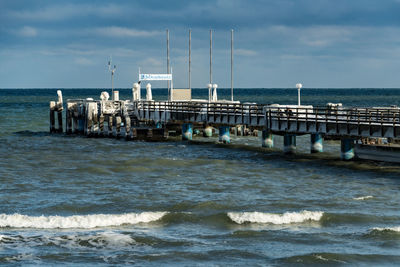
[(83, 61), (27, 31), (114, 31), (61, 12), (326, 35), (245, 52), (79, 51), (153, 62), (313, 36)]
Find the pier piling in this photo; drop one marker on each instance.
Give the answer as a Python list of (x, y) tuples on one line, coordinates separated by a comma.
[(267, 139), (224, 135), (317, 143), (289, 143), (208, 131), (187, 131), (118, 126), (110, 126), (101, 125), (347, 149), (56, 107), (81, 119), (127, 123), (60, 121), (68, 118), (52, 119)]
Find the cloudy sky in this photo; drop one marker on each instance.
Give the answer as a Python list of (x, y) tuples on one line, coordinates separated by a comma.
[(321, 43)]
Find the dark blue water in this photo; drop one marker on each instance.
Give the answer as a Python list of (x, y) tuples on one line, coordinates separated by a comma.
[(80, 201)]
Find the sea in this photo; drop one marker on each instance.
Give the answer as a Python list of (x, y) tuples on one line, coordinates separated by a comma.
[(73, 200)]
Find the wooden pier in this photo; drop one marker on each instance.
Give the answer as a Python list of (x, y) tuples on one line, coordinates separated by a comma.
[(152, 120)]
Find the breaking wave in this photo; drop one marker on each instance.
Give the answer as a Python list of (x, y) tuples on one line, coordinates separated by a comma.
[(387, 229), (272, 218), (77, 221)]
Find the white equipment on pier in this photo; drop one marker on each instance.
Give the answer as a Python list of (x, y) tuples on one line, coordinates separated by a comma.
[(104, 96), (149, 96), (209, 92), (214, 95), (136, 92)]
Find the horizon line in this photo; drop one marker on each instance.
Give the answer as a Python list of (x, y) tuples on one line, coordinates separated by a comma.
[(199, 88)]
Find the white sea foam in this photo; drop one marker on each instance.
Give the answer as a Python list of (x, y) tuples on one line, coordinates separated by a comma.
[(393, 229), (106, 239), (321, 258), (77, 221), (22, 257), (363, 198), (272, 218), (77, 239)]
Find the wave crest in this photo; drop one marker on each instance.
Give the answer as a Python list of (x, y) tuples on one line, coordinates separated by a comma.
[(272, 218), (363, 198), (387, 229), (77, 221)]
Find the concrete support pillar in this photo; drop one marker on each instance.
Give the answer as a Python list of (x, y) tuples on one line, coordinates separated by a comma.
[(224, 135), (81, 125), (317, 143), (127, 124), (101, 125), (110, 126), (95, 122), (81, 119), (187, 131), (267, 139), (118, 121), (68, 119), (347, 149), (289, 143), (75, 125), (89, 125), (208, 131), (52, 119), (59, 119)]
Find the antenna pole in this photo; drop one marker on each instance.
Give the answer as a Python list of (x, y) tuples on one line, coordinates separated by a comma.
[(190, 59), (168, 68), (210, 56), (112, 70), (232, 65), (112, 84)]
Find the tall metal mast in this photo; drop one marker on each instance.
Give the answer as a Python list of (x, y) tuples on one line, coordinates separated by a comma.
[(168, 68), (190, 60), (232, 65), (210, 56)]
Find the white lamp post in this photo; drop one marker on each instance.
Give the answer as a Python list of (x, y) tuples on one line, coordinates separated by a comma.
[(209, 92), (214, 95), (299, 85)]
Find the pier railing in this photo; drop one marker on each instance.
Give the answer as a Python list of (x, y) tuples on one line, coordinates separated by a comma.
[(202, 112), (357, 122)]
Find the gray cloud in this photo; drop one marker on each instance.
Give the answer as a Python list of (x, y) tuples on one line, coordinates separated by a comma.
[(276, 42), (27, 31)]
